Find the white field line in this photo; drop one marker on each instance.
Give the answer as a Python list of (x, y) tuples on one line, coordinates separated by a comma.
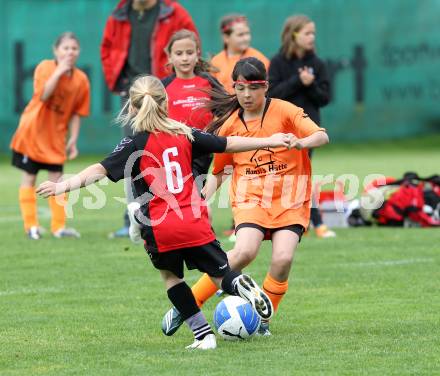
[(390, 262), (25, 291)]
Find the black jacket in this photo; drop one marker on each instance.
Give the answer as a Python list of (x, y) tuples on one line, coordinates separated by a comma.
[(284, 83)]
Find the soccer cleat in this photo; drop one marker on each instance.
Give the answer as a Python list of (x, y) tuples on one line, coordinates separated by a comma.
[(66, 233), (34, 233), (249, 290), (123, 232), (207, 343), (263, 330), (134, 231), (171, 322), (323, 231)]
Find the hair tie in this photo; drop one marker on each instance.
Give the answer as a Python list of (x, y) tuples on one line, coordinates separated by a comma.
[(229, 25), (259, 82)]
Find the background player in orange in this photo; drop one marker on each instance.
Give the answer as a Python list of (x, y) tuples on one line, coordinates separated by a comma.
[(236, 35), (160, 154), (297, 75), (271, 187), (61, 96)]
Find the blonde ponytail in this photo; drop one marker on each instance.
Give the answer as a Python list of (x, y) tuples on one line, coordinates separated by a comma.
[(147, 109)]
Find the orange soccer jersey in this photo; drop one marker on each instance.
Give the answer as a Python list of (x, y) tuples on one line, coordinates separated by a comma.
[(41, 134), (270, 187), (226, 65)]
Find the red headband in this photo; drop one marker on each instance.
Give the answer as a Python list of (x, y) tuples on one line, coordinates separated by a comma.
[(228, 26), (250, 82)]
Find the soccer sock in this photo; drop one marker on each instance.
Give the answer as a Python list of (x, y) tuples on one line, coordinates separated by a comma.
[(199, 325), (183, 299), (275, 290), (203, 289), (229, 282), (58, 214), (315, 217), (28, 206)]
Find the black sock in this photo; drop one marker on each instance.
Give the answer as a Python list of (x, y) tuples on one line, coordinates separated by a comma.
[(315, 217), (229, 282), (183, 299)]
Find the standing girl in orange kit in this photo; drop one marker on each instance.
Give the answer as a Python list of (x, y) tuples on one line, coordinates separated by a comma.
[(61, 97)]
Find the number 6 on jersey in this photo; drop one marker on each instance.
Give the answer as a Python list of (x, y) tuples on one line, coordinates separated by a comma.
[(169, 167)]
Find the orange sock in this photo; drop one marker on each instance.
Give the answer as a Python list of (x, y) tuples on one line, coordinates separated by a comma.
[(57, 204), (203, 289), (275, 289), (28, 206)]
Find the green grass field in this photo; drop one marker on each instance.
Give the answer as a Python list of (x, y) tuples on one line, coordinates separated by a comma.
[(367, 302)]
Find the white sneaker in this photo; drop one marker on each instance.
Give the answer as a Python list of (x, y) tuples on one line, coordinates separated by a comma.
[(134, 231), (207, 343), (34, 233), (248, 289), (66, 232)]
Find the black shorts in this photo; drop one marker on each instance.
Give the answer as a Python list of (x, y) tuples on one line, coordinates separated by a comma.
[(267, 232), (209, 258), (23, 162)]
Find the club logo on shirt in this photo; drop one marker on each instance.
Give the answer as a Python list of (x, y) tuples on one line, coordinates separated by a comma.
[(263, 160), (122, 143)]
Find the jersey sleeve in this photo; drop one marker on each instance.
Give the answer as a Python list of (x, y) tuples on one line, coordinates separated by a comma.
[(115, 162), (207, 143), (41, 75), (82, 107), (301, 123)]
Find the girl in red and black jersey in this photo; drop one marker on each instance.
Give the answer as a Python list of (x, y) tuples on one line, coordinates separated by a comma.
[(173, 219), (188, 87)]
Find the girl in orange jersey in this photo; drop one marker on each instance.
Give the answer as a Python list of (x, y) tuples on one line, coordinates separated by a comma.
[(61, 96), (236, 36), (271, 188)]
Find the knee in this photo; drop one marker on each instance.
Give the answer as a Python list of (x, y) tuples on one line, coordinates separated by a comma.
[(283, 259), (243, 256)]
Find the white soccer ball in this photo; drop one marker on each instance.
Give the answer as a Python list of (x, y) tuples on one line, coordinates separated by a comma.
[(235, 318)]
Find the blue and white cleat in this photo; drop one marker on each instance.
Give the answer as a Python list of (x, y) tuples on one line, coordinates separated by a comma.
[(171, 322)]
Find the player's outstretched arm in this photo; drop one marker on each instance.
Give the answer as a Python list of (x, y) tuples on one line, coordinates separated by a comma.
[(237, 144), (313, 141), (88, 176)]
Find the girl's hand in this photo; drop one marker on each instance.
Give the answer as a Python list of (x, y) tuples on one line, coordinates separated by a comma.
[(296, 143), (306, 76), (281, 139), (72, 150), (64, 66), (48, 188)]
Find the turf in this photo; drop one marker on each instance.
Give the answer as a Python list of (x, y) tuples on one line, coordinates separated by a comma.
[(366, 302)]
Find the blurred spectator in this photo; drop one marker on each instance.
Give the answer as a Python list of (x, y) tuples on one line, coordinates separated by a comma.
[(297, 75), (236, 35), (134, 42)]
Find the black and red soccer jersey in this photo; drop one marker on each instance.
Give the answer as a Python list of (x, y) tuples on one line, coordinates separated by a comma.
[(186, 98), (174, 215)]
